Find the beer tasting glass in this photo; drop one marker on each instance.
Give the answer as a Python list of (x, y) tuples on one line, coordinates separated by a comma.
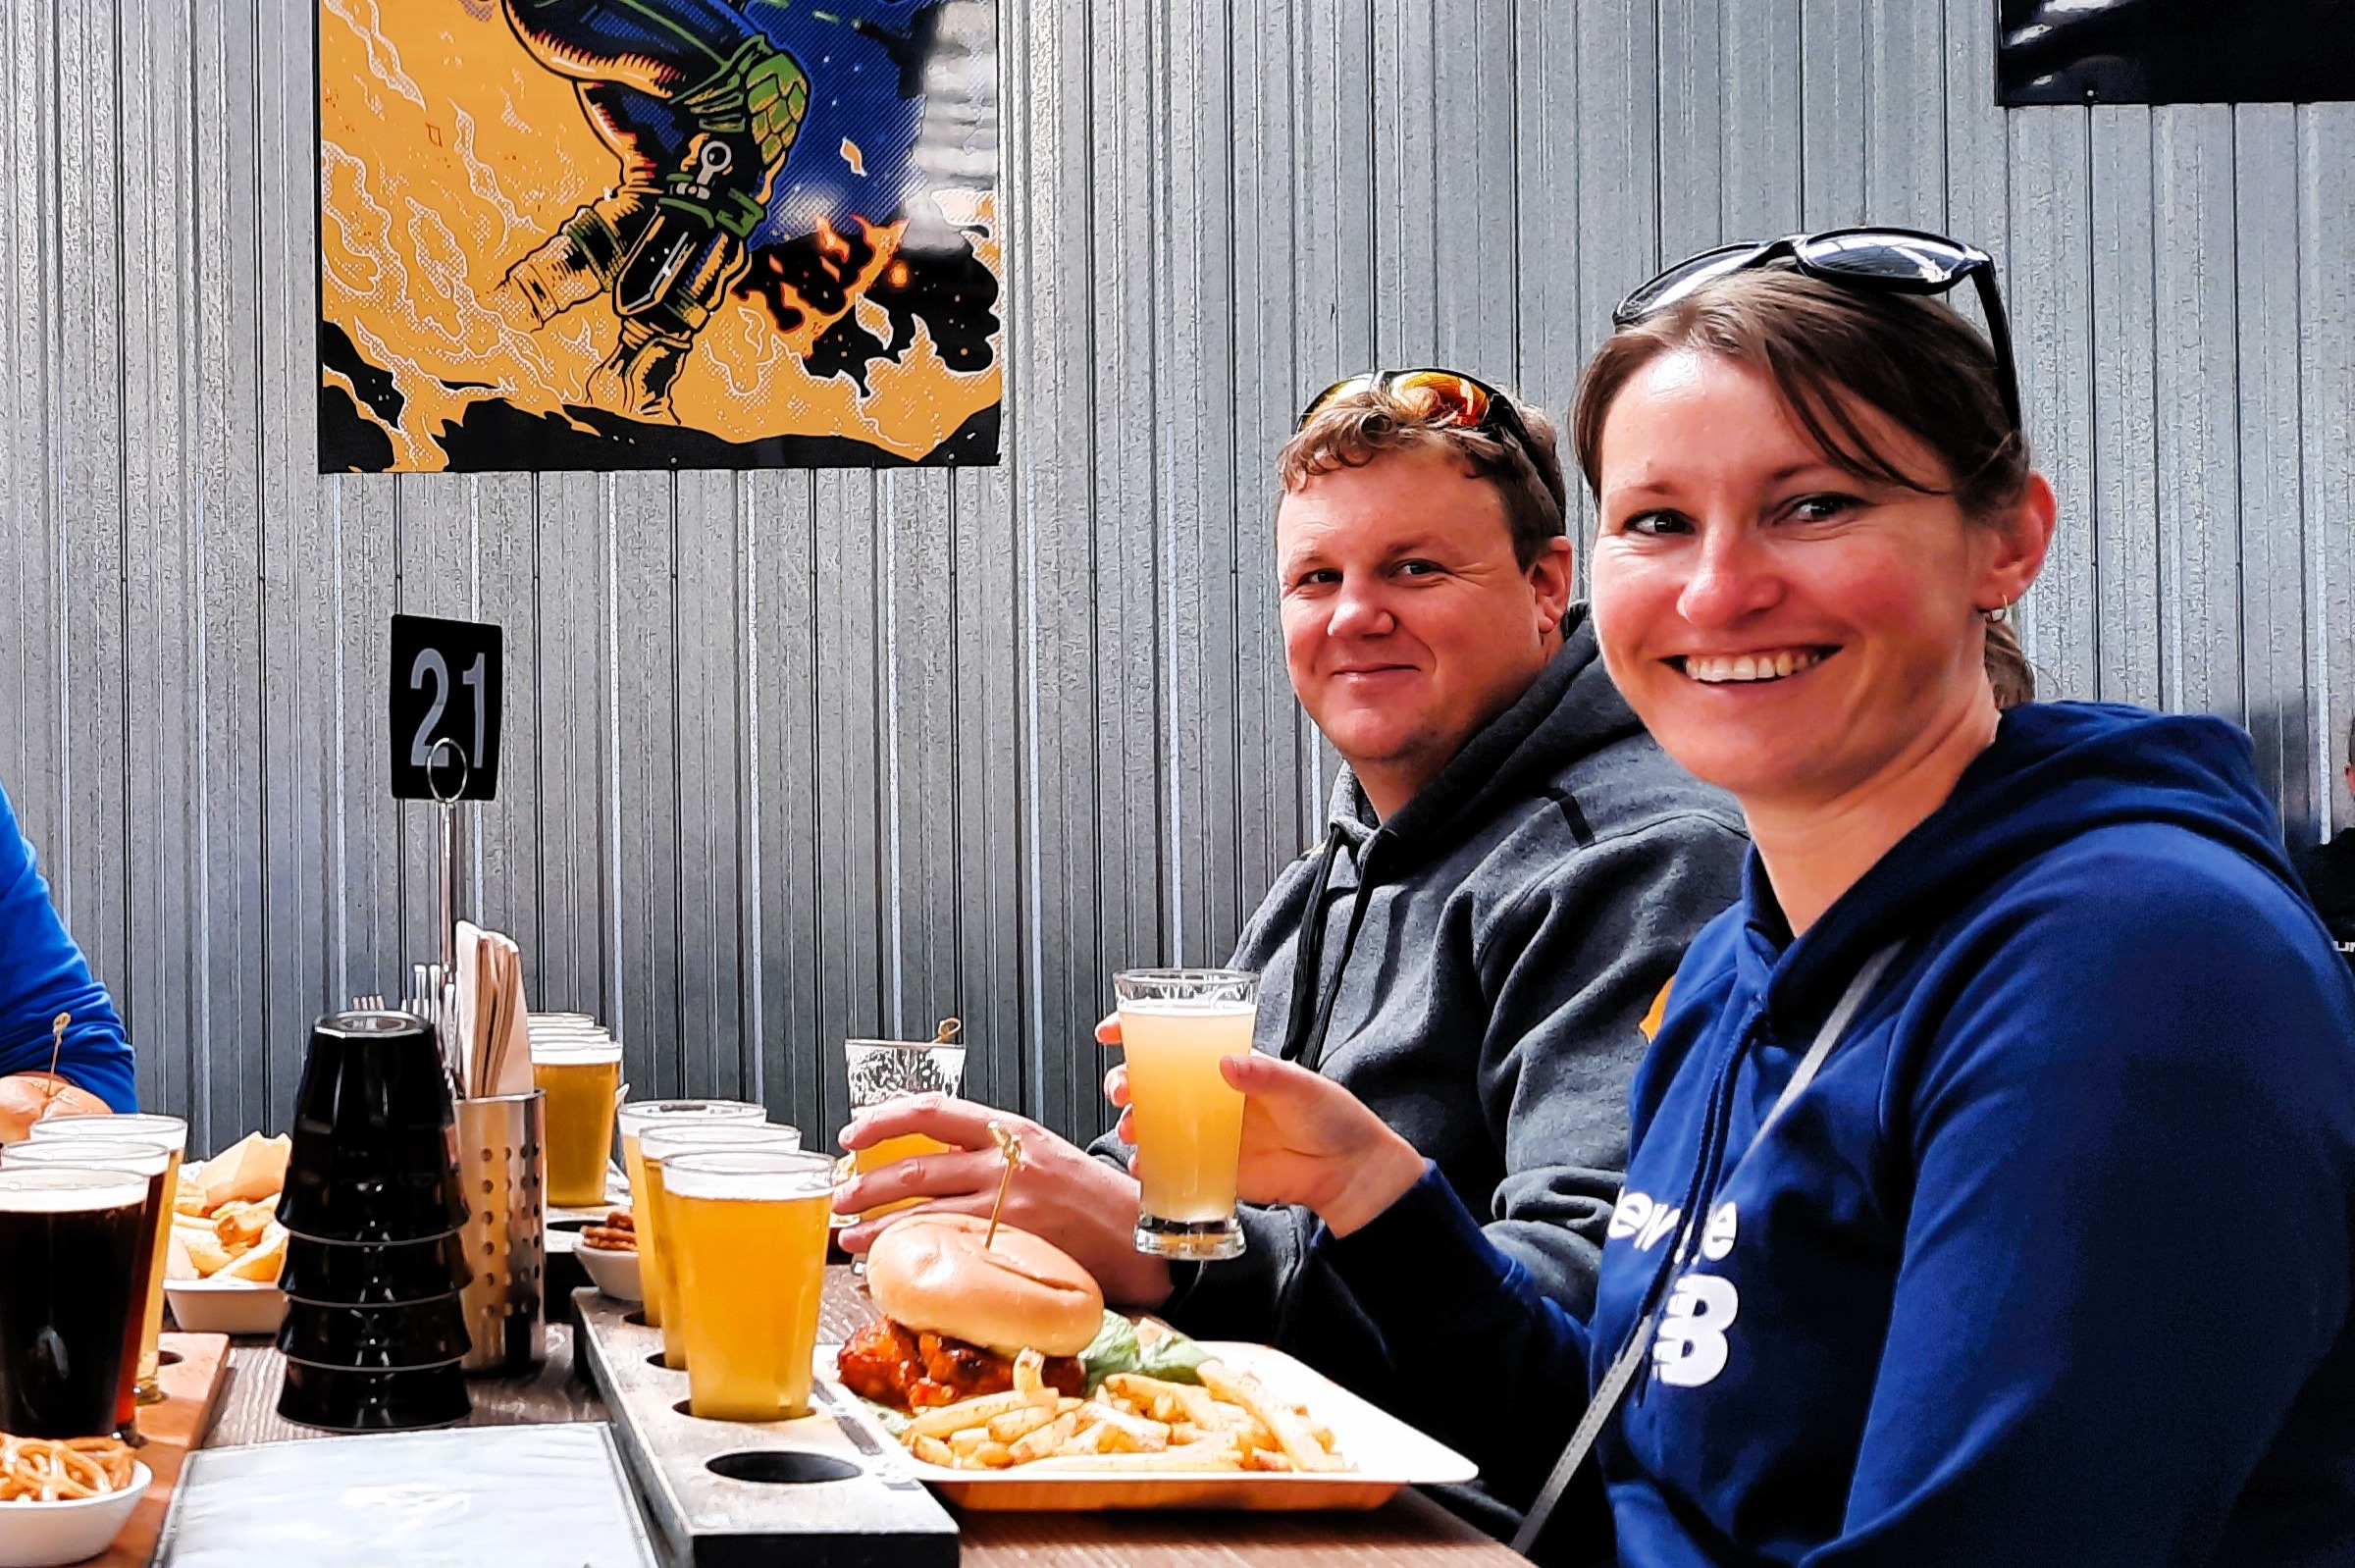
[(69, 1256), (885, 1070), (169, 1133), (582, 1079), (148, 1162), (634, 1118), (658, 1144), (1175, 1024), (750, 1239)]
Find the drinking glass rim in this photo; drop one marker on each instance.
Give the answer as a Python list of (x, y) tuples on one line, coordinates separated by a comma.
[(1201, 977), (149, 1127), (62, 1179), (593, 1052), (758, 1175), (958, 1046), (713, 1111), (89, 1154), (732, 1135)]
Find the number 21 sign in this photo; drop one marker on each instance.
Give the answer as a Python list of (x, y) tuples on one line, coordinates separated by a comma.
[(446, 702)]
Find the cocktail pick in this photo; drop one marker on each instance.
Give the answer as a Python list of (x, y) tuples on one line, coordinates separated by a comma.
[(56, 1049), (1010, 1149), (946, 1032)]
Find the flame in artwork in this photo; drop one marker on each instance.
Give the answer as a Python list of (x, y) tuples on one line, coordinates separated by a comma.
[(446, 152)]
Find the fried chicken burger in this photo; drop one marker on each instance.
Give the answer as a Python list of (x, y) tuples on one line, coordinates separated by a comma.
[(955, 1313)]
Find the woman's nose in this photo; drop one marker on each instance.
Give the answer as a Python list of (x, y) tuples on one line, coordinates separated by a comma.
[(1731, 579)]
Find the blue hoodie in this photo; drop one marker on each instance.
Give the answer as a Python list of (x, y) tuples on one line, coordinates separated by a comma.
[(42, 974), (2050, 1265)]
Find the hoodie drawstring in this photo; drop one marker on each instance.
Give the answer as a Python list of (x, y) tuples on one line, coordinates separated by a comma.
[(1310, 1015)]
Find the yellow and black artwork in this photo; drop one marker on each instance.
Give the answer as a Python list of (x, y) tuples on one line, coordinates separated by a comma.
[(658, 234)]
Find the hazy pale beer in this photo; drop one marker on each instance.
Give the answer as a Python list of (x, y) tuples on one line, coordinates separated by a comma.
[(634, 1118), (1176, 1026), (749, 1231), (148, 1162), (881, 1070), (171, 1133), (658, 1144), (69, 1255), (582, 1082)]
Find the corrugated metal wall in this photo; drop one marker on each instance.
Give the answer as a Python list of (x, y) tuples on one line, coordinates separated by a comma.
[(798, 755)]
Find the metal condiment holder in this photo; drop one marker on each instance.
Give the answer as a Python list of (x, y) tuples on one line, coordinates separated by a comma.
[(501, 1143)]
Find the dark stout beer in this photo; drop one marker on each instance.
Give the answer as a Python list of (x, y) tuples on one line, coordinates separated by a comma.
[(69, 1253), (151, 1163)]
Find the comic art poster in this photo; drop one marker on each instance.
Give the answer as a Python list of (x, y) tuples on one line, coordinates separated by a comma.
[(653, 234)]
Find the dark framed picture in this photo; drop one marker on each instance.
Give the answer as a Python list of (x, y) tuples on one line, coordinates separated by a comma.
[(2174, 51)]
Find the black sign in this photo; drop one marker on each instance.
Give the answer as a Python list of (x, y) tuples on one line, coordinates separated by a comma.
[(445, 701), (2175, 51)]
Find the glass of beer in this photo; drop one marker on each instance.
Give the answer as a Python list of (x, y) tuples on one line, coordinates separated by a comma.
[(750, 1236), (148, 1162), (171, 1133), (1175, 1024), (69, 1255), (634, 1118), (880, 1071), (656, 1145), (582, 1079)]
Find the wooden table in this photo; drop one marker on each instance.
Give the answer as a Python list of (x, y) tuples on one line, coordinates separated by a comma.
[(1412, 1531)]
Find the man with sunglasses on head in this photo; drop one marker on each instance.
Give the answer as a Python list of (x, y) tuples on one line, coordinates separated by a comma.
[(1510, 872)]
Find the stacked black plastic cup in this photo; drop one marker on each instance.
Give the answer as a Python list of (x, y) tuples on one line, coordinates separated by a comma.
[(375, 1329)]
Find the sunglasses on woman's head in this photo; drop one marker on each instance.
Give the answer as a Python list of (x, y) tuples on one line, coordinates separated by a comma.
[(1436, 397), (1894, 261)]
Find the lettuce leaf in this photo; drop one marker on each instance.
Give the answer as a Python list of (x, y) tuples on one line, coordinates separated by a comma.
[(1118, 1348)]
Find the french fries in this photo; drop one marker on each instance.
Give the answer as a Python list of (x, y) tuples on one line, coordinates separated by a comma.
[(1228, 1423), (224, 1222)]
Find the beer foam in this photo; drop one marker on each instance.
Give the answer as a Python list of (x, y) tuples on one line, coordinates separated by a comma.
[(68, 1191), (572, 1053), (657, 1143), (88, 1154), (1192, 1007), (762, 1175)]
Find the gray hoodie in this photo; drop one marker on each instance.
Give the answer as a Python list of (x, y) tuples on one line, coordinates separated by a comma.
[(1484, 958)]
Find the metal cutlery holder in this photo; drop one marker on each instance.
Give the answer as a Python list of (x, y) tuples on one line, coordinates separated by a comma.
[(501, 1169)]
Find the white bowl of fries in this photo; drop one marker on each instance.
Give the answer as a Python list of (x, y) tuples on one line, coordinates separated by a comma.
[(60, 1504)]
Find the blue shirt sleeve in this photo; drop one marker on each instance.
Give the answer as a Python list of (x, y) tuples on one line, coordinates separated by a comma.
[(42, 974), (2126, 1252), (1487, 1362)]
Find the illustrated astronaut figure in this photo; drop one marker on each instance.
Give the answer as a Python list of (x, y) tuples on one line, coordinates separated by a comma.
[(701, 109)]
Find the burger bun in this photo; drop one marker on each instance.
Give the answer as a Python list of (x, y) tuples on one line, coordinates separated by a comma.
[(932, 1271)]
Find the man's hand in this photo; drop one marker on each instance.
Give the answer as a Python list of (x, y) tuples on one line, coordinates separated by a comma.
[(1077, 1202), (1306, 1141), (29, 1097)]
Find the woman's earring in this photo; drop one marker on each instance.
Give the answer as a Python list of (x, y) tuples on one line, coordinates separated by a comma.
[(1998, 615)]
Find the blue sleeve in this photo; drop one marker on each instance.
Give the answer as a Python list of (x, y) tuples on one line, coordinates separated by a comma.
[(2128, 1248), (42, 974), (1486, 1362)]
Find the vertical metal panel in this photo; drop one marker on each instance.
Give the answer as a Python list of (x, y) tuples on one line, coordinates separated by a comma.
[(782, 588), (2125, 520), (1761, 118), (2326, 394), (368, 942), (160, 992), (707, 620), (1406, 183), (643, 877), (923, 668), (31, 660), (986, 793), (1619, 165), (1205, 438), (83, 873), (2272, 610), (505, 869), (1977, 141), (1692, 178), (1473, 238), (1905, 114), (2198, 380), (573, 969), (1834, 131), (852, 885), (2050, 276), (435, 541)]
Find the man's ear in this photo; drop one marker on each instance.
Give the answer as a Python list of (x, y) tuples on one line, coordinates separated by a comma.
[(1549, 577)]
